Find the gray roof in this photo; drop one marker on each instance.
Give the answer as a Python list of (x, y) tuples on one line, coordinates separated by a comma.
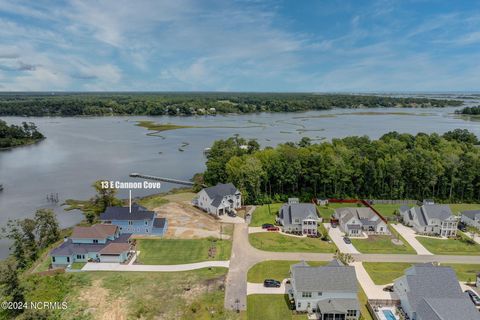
[(338, 305), (69, 248), (159, 223), (289, 212), (216, 193), (428, 283), (331, 278), (122, 213), (447, 308), (366, 215), (471, 214), (437, 211)]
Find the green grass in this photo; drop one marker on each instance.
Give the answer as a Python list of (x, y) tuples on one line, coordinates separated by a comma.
[(458, 207), (450, 246), (150, 125), (78, 265), (153, 201), (180, 251), (274, 269), (281, 243), (362, 299), (382, 244), (262, 214), (386, 272), (387, 210), (270, 307)]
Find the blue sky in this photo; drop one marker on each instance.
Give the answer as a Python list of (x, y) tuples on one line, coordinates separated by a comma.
[(240, 45)]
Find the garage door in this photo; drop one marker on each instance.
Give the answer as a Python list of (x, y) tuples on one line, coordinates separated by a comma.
[(109, 258)]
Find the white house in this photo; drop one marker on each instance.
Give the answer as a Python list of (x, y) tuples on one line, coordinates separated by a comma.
[(471, 218), (357, 220), (219, 199), (429, 292), (299, 217), (430, 219), (328, 292)]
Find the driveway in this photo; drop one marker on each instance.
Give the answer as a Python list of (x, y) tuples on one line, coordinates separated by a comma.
[(372, 290), (476, 238), (337, 237), (92, 266), (409, 235), (258, 288)]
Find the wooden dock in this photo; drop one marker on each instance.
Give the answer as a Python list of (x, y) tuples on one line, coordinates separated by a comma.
[(163, 179)]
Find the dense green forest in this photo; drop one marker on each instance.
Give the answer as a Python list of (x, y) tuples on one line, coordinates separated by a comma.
[(396, 166), (469, 110), (13, 135), (97, 104)]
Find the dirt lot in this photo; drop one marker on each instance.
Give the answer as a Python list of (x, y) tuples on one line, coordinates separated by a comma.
[(97, 299)]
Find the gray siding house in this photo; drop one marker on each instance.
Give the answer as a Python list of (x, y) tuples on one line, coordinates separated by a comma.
[(219, 199), (430, 219), (429, 292), (354, 221), (328, 292), (299, 218), (471, 218)]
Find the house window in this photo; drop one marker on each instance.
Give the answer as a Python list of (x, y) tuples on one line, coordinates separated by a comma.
[(299, 305), (53, 259), (306, 294), (320, 293), (308, 305), (95, 241), (351, 313), (68, 259), (130, 222), (146, 230), (146, 222)]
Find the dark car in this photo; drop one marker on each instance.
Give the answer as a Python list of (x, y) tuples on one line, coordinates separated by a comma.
[(462, 227), (273, 228), (388, 288), (270, 283), (347, 240), (474, 297), (267, 225), (232, 214)]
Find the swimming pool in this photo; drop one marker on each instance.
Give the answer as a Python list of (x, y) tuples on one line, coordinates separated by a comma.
[(389, 315)]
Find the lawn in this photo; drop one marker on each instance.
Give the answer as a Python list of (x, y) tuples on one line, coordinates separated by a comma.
[(274, 269), (382, 244), (153, 201), (277, 242), (133, 295), (263, 214), (78, 265), (180, 251), (327, 211), (387, 210), (386, 272), (270, 307), (458, 207), (449, 246), (362, 299)]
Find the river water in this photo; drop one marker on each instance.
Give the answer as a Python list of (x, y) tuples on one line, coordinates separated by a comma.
[(79, 151)]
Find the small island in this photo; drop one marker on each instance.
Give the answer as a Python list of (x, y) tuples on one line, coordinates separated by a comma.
[(12, 136), (473, 111)]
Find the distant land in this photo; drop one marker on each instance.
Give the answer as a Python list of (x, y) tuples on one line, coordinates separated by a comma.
[(198, 103)]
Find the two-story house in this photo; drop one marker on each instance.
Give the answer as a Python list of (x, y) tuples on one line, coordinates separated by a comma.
[(219, 199), (430, 219), (299, 218), (138, 220), (354, 221), (429, 292), (328, 292), (471, 218), (100, 242)]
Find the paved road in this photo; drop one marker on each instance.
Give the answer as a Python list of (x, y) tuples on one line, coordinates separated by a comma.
[(410, 236), (91, 266), (337, 237)]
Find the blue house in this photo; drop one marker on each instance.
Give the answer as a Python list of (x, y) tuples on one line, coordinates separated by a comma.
[(100, 243), (138, 221)]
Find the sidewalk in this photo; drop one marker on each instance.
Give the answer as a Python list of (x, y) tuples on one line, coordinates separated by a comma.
[(410, 236), (99, 266)]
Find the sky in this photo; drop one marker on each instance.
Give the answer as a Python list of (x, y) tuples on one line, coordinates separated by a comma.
[(240, 45)]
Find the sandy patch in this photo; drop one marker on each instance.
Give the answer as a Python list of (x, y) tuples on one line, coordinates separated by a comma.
[(100, 306)]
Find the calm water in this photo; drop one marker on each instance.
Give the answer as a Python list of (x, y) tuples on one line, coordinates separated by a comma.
[(79, 151)]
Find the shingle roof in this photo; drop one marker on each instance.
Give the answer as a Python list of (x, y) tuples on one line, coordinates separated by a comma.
[(122, 213), (325, 278), (216, 193), (115, 248), (289, 212), (366, 215), (436, 211), (446, 309), (338, 305), (69, 248), (159, 223), (97, 231), (471, 214)]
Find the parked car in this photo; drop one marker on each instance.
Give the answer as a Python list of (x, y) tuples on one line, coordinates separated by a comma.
[(347, 240), (273, 228), (388, 288), (474, 297), (270, 283), (267, 225), (462, 226), (232, 214)]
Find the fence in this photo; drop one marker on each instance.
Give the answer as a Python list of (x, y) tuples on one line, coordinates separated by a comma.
[(373, 304), (407, 201)]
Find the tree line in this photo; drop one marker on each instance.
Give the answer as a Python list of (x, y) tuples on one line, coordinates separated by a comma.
[(396, 166), (99, 104), (469, 110), (13, 135)]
